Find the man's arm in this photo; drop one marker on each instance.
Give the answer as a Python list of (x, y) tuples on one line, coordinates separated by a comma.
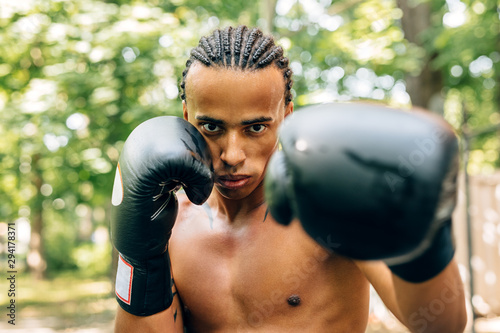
[(167, 321), (161, 322), (158, 157), (380, 184), (436, 305)]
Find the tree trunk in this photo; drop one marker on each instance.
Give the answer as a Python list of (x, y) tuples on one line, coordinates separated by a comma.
[(424, 89), (267, 13), (36, 257)]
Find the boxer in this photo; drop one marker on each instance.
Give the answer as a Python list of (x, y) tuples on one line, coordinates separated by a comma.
[(228, 254)]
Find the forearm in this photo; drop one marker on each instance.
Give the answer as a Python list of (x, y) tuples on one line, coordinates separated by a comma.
[(429, 290), (436, 305), (166, 321), (161, 322)]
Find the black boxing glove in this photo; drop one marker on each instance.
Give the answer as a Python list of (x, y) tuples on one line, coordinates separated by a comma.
[(370, 183), (159, 156)]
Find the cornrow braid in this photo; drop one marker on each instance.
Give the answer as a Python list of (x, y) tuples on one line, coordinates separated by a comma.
[(226, 40), (264, 44), (207, 48), (271, 54), (218, 48), (243, 48), (250, 42), (198, 54), (238, 38)]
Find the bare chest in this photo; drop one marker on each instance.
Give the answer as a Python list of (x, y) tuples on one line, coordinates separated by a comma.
[(258, 274)]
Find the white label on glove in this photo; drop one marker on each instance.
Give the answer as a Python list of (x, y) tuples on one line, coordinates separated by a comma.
[(117, 196), (123, 286)]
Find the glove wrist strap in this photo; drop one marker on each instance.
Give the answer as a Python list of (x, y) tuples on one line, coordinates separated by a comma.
[(432, 262), (143, 288)]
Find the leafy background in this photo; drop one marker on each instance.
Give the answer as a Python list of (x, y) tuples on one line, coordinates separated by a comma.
[(77, 76)]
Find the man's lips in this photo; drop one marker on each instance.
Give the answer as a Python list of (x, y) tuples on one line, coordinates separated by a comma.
[(233, 181)]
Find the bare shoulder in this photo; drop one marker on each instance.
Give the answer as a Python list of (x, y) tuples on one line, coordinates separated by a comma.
[(184, 203), (191, 217)]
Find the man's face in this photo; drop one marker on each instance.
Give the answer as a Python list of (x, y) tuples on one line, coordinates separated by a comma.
[(238, 113)]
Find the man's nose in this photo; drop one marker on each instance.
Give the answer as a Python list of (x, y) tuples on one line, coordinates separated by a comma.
[(233, 152)]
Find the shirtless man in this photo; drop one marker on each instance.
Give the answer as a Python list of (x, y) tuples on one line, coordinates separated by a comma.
[(227, 265)]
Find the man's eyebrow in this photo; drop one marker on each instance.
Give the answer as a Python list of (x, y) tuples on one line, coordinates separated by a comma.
[(210, 119), (256, 121)]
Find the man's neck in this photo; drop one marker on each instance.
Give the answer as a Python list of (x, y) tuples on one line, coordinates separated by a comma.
[(236, 210)]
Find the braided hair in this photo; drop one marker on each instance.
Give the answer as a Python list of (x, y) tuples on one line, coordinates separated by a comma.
[(243, 48)]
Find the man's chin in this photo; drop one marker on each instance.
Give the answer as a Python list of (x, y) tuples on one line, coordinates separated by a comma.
[(234, 194), (237, 194)]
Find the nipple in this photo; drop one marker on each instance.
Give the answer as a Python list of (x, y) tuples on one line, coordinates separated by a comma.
[(294, 300)]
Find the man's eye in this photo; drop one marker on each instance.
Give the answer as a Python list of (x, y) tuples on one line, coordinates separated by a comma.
[(211, 128), (258, 128)]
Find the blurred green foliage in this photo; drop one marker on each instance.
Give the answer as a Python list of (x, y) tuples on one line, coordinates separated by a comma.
[(77, 76), (61, 303)]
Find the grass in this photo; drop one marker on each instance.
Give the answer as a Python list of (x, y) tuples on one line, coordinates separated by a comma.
[(61, 302)]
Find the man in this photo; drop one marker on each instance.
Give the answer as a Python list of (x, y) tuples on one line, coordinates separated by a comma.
[(231, 267)]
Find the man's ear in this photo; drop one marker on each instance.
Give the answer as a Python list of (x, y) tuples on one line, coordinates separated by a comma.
[(185, 110), (289, 109)]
